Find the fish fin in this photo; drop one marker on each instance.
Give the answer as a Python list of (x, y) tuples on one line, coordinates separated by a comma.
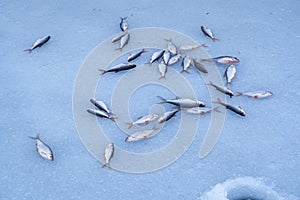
[(210, 83), (112, 119), (162, 77), (216, 109), (215, 39), (218, 101), (29, 50), (239, 94), (123, 18), (119, 49), (206, 60), (126, 139), (168, 40), (204, 45), (35, 137), (163, 100), (228, 84), (130, 125), (186, 71), (102, 71), (144, 50), (106, 165)]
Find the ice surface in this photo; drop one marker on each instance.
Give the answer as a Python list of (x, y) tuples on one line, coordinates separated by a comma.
[(36, 96)]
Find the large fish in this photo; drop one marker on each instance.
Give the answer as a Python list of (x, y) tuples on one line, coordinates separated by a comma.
[(200, 110), (100, 105), (124, 24), (117, 38), (230, 74), (187, 63), (171, 46), (43, 149), (208, 32), (174, 60), (183, 103), (157, 55), (235, 108), (124, 40), (108, 154), (256, 94), (199, 66), (166, 56), (223, 60), (40, 42), (118, 68), (143, 120), (141, 135), (167, 115), (135, 55), (222, 89), (101, 114), (162, 68)]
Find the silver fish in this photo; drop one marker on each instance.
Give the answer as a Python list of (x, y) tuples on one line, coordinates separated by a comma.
[(183, 103), (256, 94), (190, 47), (167, 115), (117, 38), (101, 114), (135, 55), (208, 32), (166, 56), (171, 46), (174, 60), (141, 135), (124, 24), (38, 43), (43, 149), (199, 66), (143, 120), (223, 60), (100, 105), (162, 68), (118, 68), (187, 62), (124, 40), (222, 89), (108, 154), (235, 108), (230, 74), (200, 111), (157, 55)]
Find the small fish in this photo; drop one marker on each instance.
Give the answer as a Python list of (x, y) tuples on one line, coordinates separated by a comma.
[(256, 94), (171, 46), (235, 108), (174, 60), (143, 120), (124, 24), (224, 60), (117, 38), (222, 89), (190, 47), (200, 111), (199, 66), (183, 103), (167, 115), (118, 68), (141, 135), (108, 154), (208, 32), (157, 55), (166, 56), (100, 105), (187, 62), (230, 73), (101, 114), (134, 56), (124, 40), (38, 43), (162, 68), (43, 149)]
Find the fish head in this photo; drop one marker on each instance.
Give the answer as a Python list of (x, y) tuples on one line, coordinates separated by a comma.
[(50, 157), (243, 113), (236, 60), (200, 103)]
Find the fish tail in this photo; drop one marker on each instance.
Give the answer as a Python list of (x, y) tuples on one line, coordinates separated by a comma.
[(106, 165), (29, 50), (163, 100), (168, 40), (102, 71), (210, 83), (144, 50), (186, 71), (35, 137), (112, 118), (204, 45), (130, 125), (215, 39), (239, 94), (216, 109), (218, 101), (228, 84), (123, 18), (162, 77), (119, 49)]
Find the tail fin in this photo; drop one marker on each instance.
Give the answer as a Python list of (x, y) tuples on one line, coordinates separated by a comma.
[(239, 94), (119, 49), (216, 109), (36, 137), (162, 77), (210, 83), (163, 100), (215, 39), (102, 71), (123, 18), (130, 125), (218, 101), (144, 50), (106, 165), (186, 71), (204, 45), (228, 84), (29, 50), (112, 119)]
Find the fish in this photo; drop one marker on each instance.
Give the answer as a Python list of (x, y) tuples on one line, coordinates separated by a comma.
[(222, 89), (230, 74), (118, 68), (199, 66), (143, 120), (256, 94), (141, 135), (162, 68), (166, 56), (101, 114), (187, 62), (208, 32), (124, 40), (124, 24), (101, 106), (171, 46), (201, 110), (42, 148), (38, 43), (190, 47), (135, 55), (117, 38), (108, 154), (235, 108), (157, 55), (167, 115), (223, 60), (174, 60), (183, 103)]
